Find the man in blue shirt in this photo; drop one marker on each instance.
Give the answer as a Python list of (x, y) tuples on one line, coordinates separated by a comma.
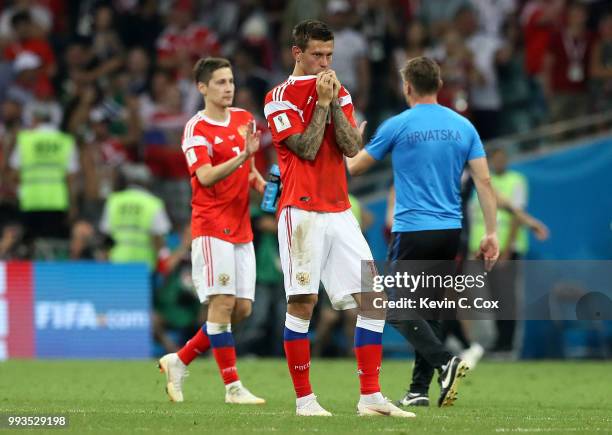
[(430, 145)]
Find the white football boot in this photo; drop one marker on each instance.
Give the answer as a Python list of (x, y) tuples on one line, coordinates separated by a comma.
[(237, 394), (381, 407), (176, 372), (309, 407)]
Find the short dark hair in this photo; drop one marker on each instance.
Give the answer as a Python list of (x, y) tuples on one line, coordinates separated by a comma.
[(311, 29), (21, 17), (204, 68), (423, 74)]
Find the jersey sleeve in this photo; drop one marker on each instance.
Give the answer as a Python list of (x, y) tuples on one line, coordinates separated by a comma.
[(283, 116), (197, 149), (382, 142), (476, 147), (346, 103)]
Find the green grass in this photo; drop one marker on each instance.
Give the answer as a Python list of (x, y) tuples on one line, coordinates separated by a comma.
[(128, 397)]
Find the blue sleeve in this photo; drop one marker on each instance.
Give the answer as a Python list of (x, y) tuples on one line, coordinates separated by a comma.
[(382, 142), (476, 147)]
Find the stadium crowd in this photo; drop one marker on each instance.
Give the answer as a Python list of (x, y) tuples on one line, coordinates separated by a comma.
[(114, 80)]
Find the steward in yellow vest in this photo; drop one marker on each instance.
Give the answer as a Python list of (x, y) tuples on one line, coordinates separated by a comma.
[(135, 219), (45, 161)]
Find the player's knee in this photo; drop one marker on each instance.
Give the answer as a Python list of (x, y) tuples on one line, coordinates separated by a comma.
[(302, 306), (222, 305), (242, 310)]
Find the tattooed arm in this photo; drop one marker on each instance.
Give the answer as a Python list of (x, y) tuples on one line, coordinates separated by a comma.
[(348, 137), (307, 144)]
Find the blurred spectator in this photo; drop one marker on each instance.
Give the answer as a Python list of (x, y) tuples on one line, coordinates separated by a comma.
[(249, 75), (458, 72), (350, 53), (28, 79), (601, 66), (566, 66), (27, 39), (138, 67), (45, 162), (11, 242), (485, 100), (416, 41), (438, 15), (163, 120), (518, 110), (539, 20), (382, 28), (254, 34), (493, 14), (102, 156), (84, 243), (183, 41), (10, 124), (135, 219), (106, 45), (42, 18), (141, 25), (297, 11), (511, 187), (75, 69)]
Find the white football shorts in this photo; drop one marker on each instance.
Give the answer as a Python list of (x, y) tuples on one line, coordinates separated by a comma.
[(322, 247), (222, 268)]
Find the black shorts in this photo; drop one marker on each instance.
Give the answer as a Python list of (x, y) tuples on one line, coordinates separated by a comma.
[(425, 245), (429, 253)]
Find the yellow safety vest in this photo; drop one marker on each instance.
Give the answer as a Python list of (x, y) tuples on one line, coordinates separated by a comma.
[(504, 185), (44, 158), (131, 213)]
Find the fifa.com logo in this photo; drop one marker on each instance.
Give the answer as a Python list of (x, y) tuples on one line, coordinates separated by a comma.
[(405, 280)]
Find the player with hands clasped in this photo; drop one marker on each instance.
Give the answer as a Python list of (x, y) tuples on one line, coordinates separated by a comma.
[(313, 128)]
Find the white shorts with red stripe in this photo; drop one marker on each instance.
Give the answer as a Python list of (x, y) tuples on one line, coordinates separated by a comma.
[(222, 268), (322, 247)]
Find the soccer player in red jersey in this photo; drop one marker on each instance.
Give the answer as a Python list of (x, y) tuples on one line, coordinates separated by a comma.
[(313, 129), (218, 143)]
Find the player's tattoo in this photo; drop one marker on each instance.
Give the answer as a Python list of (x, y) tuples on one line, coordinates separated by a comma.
[(348, 137), (307, 144)]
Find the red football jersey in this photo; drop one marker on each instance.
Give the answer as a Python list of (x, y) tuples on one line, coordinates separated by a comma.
[(318, 185), (220, 211)]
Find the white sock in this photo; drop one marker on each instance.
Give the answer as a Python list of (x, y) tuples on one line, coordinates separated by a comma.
[(305, 400), (296, 324), (371, 399), (218, 328), (370, 324)]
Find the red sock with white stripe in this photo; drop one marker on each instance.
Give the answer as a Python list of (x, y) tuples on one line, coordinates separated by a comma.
[(222, 343), (194, 347), (297, 350)]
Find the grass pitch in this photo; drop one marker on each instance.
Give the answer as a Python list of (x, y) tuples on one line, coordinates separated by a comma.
[(128, 397)]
